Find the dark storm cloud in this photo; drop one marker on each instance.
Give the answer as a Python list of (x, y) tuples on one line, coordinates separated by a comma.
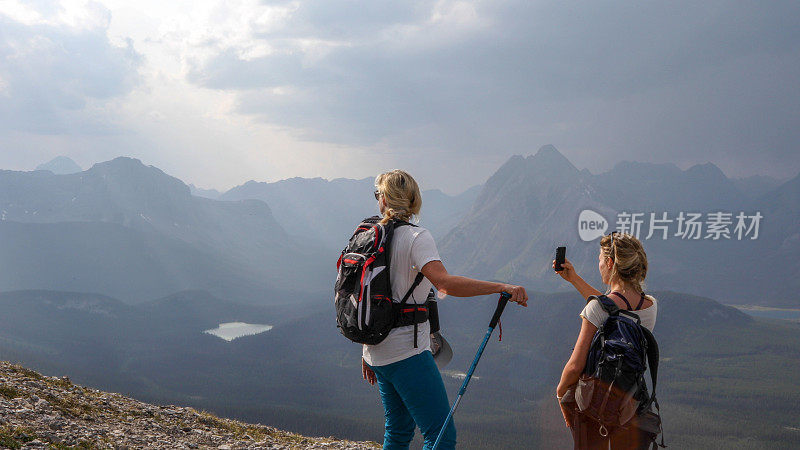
[(661, 81), (50, 72)]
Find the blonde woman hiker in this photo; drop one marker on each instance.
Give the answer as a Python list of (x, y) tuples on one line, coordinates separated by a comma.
[(409, 383), (622, 263)]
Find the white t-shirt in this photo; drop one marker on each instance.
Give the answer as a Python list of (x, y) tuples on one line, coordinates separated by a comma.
[(594, 313), (412, 248)]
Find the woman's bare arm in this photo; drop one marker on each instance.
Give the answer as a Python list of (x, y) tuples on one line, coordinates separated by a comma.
[(584, 288), (574, 367), (577, 362), (459, 286), (579, 283)]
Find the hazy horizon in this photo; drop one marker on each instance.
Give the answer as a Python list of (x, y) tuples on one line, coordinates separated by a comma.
[(200, 186)]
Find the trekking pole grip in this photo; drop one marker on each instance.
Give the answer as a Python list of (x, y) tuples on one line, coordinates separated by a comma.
[(501, 305)]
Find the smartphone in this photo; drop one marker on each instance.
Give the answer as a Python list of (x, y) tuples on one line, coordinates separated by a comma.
[(561, 255)]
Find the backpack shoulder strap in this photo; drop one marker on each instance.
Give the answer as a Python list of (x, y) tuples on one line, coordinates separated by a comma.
[(419, 277), (652, 358), (372, 220), (402, 223), (417, 281), (366, 224), (652, 361), (608, 305)]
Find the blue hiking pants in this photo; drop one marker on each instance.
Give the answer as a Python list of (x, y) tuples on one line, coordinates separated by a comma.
[(413, 395)]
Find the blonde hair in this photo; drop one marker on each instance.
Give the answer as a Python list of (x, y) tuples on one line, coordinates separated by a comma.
[(401, 194), (629, 258)]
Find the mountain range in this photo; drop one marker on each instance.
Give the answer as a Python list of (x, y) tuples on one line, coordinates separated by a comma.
[(532, 205), (60, 165), (113, 273), (129, 230), (328, 211), (508, 228)]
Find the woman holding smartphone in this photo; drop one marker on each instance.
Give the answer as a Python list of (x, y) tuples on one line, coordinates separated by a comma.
[(622, 263)]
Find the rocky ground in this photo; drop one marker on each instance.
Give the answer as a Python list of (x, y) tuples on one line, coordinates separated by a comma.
[(47, 412)]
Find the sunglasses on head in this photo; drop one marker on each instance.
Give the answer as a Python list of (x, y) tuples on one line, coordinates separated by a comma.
[(377, 194)]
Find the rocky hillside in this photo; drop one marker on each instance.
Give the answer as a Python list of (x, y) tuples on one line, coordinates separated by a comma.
[(37, 411)]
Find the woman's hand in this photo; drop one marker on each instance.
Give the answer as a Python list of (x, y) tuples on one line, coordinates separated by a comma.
[(518, 294), (367, 373), (568, 273)]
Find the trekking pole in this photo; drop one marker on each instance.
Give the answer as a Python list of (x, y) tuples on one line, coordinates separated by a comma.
[(501, 304)]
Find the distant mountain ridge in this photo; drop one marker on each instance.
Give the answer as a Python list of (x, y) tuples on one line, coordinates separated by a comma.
[(252, 242), (158, 238), (191, 242), (60, 165), (531, 205), (126, 192), (207, 193), (757, 185), (327, 211), (306, 204)]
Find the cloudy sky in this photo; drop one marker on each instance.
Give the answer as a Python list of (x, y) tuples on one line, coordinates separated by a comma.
[(220, 92)]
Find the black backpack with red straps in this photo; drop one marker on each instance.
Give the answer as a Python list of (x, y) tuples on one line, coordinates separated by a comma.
[(365, 311)]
